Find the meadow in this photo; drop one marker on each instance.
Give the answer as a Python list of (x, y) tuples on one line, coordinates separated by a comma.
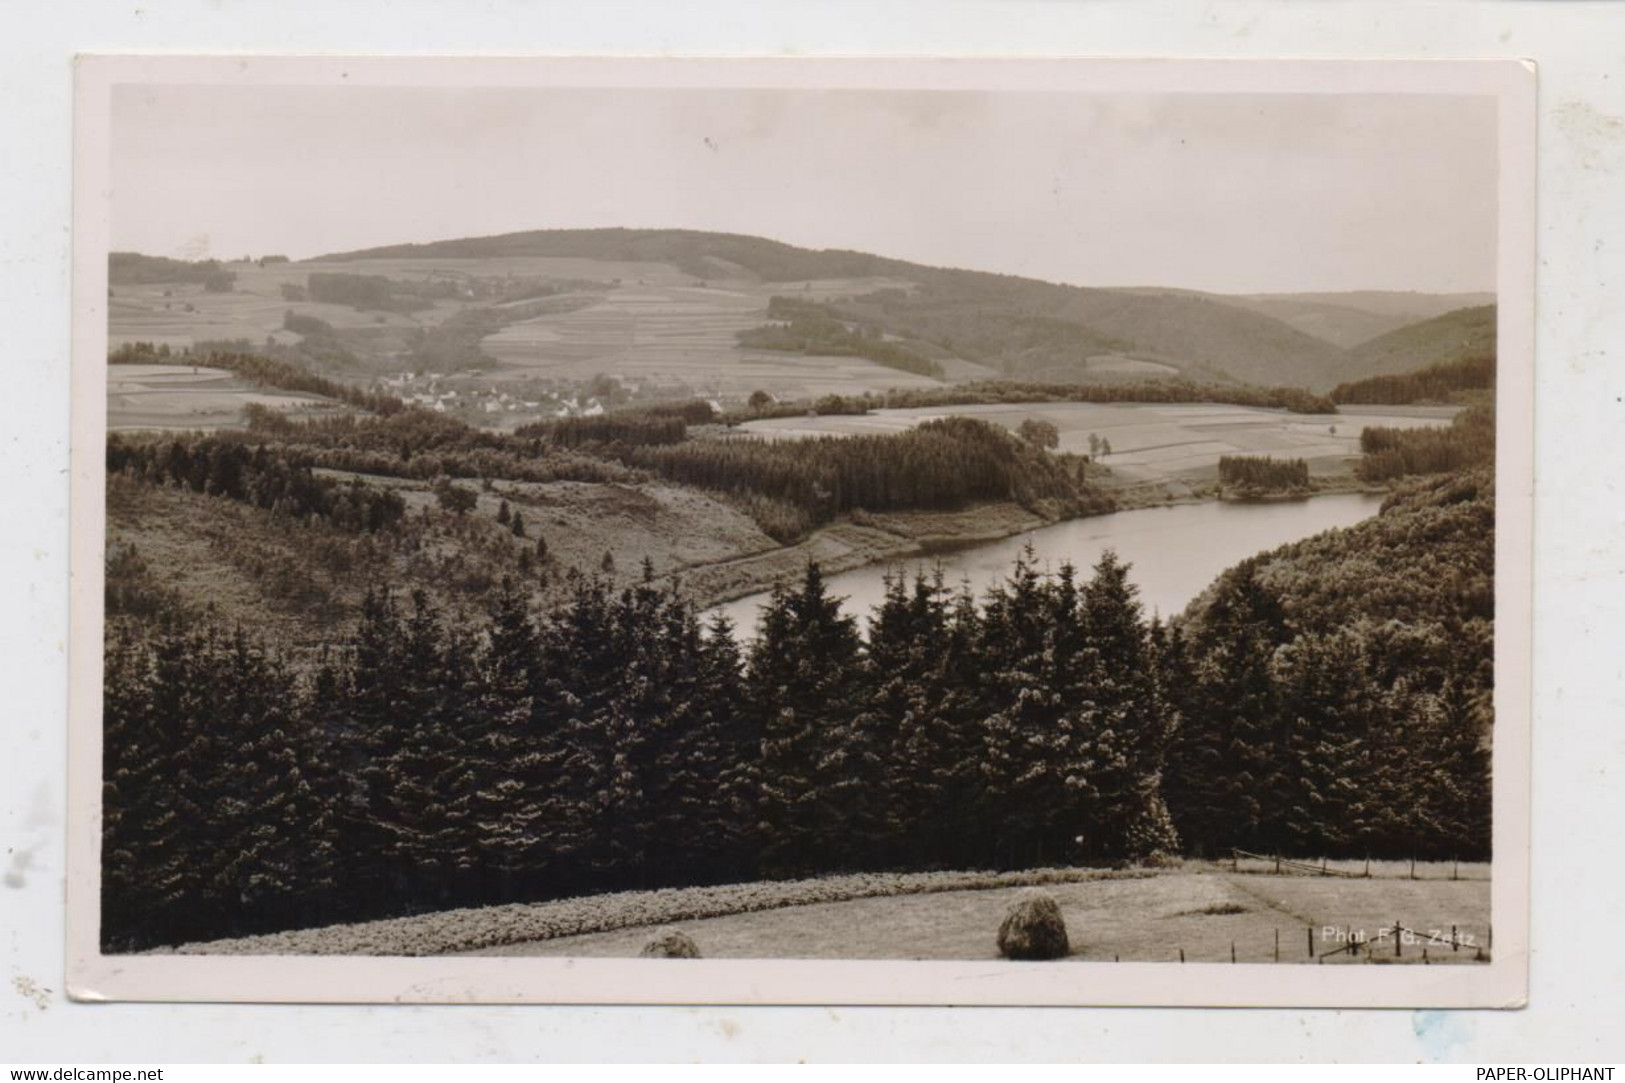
[(1152, 441), (194, 397), (1193, 909), (684, 336), (1198, 909)]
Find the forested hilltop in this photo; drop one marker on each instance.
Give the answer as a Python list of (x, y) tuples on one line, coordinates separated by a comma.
[(1339, 700)]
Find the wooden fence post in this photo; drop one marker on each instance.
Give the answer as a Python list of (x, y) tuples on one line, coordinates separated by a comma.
[(1277, 944), (1399, 943), (1235, 862), (1182, 955), (1232, 951), (1309, 932), (1368, 866), (1453, 945), (1323, 866), (1413, 866)]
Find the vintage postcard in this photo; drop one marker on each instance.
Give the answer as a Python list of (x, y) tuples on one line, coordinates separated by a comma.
[(802, 531)]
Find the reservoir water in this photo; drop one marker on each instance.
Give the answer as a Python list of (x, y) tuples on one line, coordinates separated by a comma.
[(1174, 552)]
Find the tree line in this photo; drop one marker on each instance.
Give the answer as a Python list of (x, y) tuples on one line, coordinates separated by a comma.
[(789, 488), (1306, 704), (262, 370), (1442, 382), (133, 268), (619, 427), (375, 292), (265, 477), (940, 464), (1390, 452), (1257, 475), (813, 328), (615, 742), (991, 392)]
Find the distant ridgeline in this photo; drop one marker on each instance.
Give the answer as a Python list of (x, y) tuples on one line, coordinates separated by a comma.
[(132, 269), (1329, 698), (907, 316), (1024, 327), (1460, 335)]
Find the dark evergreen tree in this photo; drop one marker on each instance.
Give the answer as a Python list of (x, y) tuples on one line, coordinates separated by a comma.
[(1126, 732), (1223, 774), (803, 683), (1027, 724)]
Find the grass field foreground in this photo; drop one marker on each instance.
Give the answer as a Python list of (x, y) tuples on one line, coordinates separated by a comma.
[(1196, 911), (1196, 914)]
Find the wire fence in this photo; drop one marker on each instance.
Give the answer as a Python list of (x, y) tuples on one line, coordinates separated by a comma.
[(1249, 861), (1340, 944)]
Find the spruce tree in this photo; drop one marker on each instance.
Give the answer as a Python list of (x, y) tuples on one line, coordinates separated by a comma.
[(506, 744), (1223, 767), (1126, 731), (803, 685), (1025, 729)]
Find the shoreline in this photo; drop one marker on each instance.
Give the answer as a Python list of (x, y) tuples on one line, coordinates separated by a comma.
[(866, 539)]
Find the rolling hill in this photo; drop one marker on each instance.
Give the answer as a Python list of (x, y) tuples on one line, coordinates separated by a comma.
[(1462, 333), (1344, 319), (688, 311), (1348, 319), (1024, 327)]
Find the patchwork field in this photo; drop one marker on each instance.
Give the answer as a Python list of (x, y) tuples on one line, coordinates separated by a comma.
[(1153, 441), (640, 321), (180, 397), (684, 336)]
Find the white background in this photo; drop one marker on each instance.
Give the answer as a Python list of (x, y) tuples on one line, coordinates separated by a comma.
[(1579, 760)]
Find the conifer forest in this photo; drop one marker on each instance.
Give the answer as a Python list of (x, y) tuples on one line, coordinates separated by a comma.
[(545, 730)]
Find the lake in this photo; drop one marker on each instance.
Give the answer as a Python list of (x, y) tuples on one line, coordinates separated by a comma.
[(1174, 552)]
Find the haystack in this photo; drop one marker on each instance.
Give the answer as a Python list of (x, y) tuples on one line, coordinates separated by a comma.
[(1034, 928), (671, 944)]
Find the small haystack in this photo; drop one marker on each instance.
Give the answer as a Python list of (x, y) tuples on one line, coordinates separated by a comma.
[(1034, 928), (671, 944)]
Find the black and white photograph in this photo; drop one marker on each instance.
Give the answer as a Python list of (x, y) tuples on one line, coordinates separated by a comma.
[(798, 531)]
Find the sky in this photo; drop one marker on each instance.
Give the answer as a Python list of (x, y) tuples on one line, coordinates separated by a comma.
[(1227, 193)]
